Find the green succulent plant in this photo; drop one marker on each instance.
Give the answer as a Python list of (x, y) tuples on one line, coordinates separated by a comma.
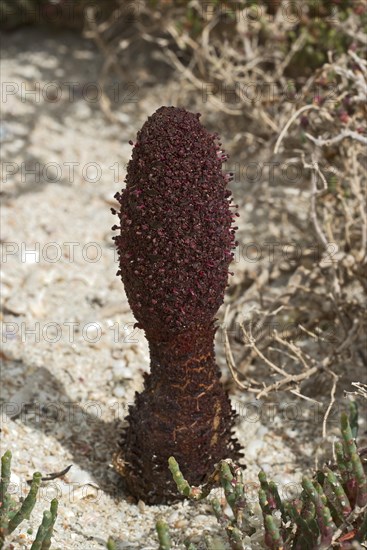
[(11, 516), (331, 511)]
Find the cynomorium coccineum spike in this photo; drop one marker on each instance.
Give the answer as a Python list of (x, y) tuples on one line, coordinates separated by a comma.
[(175, 245)]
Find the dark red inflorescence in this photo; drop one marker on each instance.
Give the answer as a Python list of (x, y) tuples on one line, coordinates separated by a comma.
[(176, 235), (175, 246)]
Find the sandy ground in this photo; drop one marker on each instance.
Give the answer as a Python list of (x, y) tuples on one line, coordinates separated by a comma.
[(72, 360)]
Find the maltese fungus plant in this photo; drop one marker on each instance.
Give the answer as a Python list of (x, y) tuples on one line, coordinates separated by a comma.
[(175, 245)]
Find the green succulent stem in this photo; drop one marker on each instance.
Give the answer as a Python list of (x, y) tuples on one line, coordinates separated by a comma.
[(46, 544), (164, 537), (228, 483), (194, 493), (218, 512), (28, 503), (353, 418), (235, 537), (263, 501), (324, 518), (278, 501), (361, 480), (182, 485), (213, 543), (190, 545), (349, 445), (338, 490), (42, 531), (344, 466), (10, 519), (4, 497), (334, 499), (273, 538), (362, 532)]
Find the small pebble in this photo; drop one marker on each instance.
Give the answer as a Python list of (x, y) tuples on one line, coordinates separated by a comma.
[(261, 431), (121, 370), (173, 517), (253, 448), (119, 391), (77, 475), (180, 524)]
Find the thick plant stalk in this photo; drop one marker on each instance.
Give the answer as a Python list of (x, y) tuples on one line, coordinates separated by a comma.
[(174, 246)]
